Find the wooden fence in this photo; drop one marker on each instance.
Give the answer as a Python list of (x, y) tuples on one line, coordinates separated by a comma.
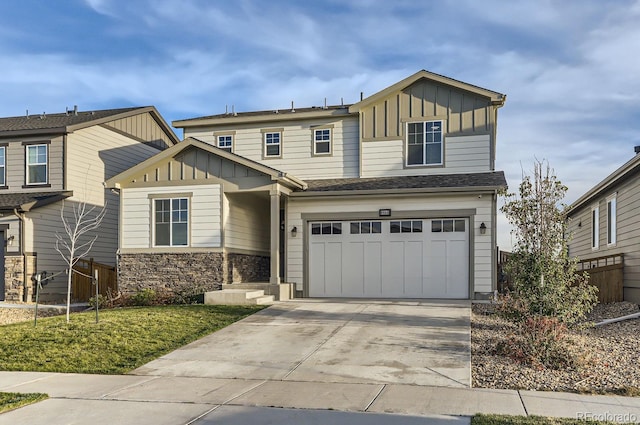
[(607, 274), (81, 284)]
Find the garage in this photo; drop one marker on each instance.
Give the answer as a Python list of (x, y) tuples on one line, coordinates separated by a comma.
[(408, 258)]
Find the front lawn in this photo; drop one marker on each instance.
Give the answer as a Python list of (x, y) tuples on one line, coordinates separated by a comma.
[(125, 338), (531, 420), (10, 401)]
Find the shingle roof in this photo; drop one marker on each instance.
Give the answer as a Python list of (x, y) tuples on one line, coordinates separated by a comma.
[(494, 179), (30, 200), (57, 121), (271, 112)]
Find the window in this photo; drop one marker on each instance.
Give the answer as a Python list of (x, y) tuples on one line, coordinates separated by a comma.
[(171, 221), (611, 220), (272, 144), (595, 227), (424, 143), (3, 166), (449, 225), (322, 141), (358, 227), (36, 164), (406, 226), (225, 142), (329, 228)]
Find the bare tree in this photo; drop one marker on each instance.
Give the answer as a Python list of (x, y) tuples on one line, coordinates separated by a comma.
[(75, 243)]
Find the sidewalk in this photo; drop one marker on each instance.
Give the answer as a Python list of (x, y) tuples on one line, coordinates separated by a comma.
[(108, 399)]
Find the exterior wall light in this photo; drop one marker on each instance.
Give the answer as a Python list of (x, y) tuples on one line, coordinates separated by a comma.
[(10, 240), (483, 228), (294, 231)]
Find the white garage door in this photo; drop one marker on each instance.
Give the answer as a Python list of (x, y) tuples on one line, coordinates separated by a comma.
[(389, 258)]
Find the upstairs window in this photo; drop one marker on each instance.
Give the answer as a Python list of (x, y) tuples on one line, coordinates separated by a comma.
[(36, 172), (595, 227), (225, 142), (171, 222), (424, 143), (3, 166), (322, 141), (611, 220), (272, 144)]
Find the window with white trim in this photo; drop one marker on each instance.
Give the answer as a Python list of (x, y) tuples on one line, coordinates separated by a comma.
[(225, 142), (611, 220), (595, 227), (171, 222), (3, 166), (424, 143), (272, 144), (322, 141), (36, 172)]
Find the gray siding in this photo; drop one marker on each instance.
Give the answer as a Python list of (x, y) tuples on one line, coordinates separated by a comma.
[(143, 127), (628, 233), (16, 163)]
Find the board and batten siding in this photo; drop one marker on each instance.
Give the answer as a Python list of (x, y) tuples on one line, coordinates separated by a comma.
[(463, 154), (144, 127), (247, 225), (481, 252), (627, 234), (204, 216), (296, 146)]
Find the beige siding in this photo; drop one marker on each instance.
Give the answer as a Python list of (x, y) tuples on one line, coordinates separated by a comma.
[(463, 154), (628, 233), (144, 127), (464, 112), (482, 250), (248, 225), (297, 147), (16, 164), (13, 230), (204, 216)]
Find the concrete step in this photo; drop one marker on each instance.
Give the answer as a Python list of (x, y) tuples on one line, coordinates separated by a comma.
[(280, 292), (238, 297)]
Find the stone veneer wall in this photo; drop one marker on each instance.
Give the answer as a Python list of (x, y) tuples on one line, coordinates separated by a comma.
[(171, 272), (248, 268), (14, 286)]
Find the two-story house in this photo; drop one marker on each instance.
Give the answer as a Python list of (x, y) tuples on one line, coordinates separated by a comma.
[(48, 159), (394, 197)]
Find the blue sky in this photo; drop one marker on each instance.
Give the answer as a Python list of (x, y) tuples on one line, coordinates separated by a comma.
[(570, 68)]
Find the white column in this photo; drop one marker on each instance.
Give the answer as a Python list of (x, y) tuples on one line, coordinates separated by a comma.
[(275, 236)]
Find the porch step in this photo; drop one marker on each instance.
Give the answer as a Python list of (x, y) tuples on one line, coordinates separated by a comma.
[(280, 291), (238, 297)]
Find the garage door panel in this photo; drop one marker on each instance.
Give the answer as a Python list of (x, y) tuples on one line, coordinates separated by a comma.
[(373, 269), (353, 273), (413, 266)]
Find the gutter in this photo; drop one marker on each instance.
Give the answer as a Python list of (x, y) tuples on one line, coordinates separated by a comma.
[(406, 191), (22, 252)]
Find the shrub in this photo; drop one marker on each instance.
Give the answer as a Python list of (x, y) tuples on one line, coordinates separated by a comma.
[(102, 301), (144, 297)]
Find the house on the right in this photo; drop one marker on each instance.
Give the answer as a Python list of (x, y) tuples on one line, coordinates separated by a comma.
[(605, 222)]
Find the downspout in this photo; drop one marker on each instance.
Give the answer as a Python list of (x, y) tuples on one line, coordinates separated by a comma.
[(22, 252)]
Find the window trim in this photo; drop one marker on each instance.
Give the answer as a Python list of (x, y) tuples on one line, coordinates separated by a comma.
[(3, 173), (169, 197), (612, 220), (28, 145), (595, 227), (424, 143), (265, 132), (314, 142), (229, 148)]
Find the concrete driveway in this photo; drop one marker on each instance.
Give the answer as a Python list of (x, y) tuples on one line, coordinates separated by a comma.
[(340, 341)]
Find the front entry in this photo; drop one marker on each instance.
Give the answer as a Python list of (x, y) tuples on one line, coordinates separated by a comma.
[(409, 258)]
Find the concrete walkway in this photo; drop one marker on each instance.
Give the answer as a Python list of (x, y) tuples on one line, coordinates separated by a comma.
[(104, 399)]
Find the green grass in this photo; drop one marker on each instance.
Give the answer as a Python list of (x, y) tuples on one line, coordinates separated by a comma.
[(123, 340), (531, 420), (10, 401)]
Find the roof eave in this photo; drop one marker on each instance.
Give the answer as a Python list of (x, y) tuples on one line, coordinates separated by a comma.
[(33, 132), (403, 191), (274, 117), (28, 206)]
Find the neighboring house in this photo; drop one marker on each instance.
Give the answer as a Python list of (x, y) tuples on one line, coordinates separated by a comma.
[(48, 158), (394, 196), (605, 221)]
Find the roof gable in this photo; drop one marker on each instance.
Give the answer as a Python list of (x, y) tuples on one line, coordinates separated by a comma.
[(194, 159)]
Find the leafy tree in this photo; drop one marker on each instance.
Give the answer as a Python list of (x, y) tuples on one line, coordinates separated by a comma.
[(74, 244), (545, 278)]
